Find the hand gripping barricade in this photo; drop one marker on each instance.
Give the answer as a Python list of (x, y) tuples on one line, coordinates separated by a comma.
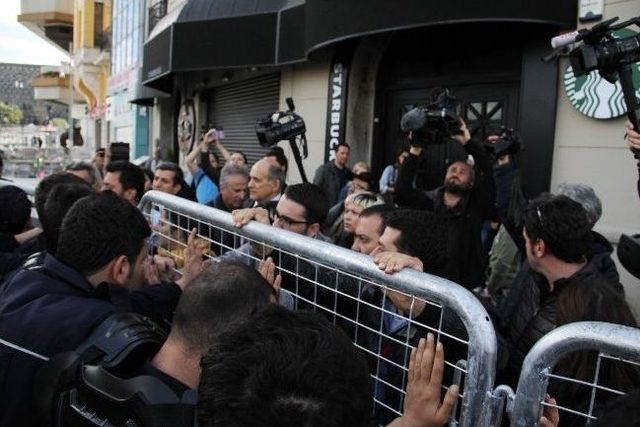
[(353, 293), (614, 344)]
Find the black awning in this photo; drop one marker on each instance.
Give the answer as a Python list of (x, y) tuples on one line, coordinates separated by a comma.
[(330, 21), (225, 34), (219, 34), (144, 95)]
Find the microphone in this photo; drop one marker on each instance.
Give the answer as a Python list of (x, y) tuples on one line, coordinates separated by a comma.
[(565, 39)]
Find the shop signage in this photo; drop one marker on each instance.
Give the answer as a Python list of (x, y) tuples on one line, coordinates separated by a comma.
[(336, 104), (591, 10), (595, 97)]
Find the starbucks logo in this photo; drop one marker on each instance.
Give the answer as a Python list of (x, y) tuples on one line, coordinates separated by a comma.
[(595, 97)]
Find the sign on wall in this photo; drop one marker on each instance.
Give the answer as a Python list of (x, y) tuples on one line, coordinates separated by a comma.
[(337, 103), (591, 10), (595, 97)]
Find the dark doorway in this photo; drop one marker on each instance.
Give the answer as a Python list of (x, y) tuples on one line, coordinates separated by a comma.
[(484, 108), (474, 61), (495, 71)]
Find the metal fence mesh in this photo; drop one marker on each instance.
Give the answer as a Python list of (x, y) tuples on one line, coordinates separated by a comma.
[(583, 366), (361, 306)]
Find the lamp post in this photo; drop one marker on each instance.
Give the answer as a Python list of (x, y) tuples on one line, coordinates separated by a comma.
[(66, 70)]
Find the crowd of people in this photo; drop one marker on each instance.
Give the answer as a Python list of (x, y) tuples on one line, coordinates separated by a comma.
[(96, 327)]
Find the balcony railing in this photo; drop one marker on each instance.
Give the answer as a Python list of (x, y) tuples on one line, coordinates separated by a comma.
[(156, 12)]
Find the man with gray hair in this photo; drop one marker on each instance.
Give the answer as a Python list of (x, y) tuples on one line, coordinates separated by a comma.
[(266, 182), (600, 246), (233, 188)]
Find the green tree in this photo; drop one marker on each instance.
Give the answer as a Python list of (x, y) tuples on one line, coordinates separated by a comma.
[(60, 123), (9, 114)]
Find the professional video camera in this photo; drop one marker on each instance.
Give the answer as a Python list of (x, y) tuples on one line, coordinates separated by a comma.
[(612, 57), (508, 143), (434, 122), (281, 126)]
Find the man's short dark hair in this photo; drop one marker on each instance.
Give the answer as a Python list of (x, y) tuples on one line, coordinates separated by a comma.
[(48, 183), (365, 177), (148, 173), (284, 368), (377, 210), (422, 235), (16, 210), (178, 175), (563, 225), (312, 198), (131, 176), (99, 228), (223, 293), (343, 144), (61, 198), (281, 158)]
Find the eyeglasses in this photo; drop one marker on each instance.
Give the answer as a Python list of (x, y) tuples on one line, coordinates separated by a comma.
[(286, 221)]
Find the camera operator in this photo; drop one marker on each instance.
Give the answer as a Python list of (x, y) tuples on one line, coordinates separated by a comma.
[(464, 202), (632, 138)]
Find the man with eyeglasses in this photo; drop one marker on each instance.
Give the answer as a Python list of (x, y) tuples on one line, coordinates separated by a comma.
[(301, 210)]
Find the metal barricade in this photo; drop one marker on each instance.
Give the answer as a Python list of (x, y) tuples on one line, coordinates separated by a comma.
[(613, 344), (353, 293)]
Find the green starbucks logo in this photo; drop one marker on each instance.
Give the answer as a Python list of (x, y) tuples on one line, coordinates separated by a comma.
[(595, 97)]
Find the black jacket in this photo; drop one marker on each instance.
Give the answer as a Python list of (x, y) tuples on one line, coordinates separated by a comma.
[(49, 308), (466, 256), (510, 202), (529, 313), (529, 310)]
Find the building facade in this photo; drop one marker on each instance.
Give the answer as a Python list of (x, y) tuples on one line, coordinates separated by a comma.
[(81, 28), (128, 122), (16, 89), (353, 74)]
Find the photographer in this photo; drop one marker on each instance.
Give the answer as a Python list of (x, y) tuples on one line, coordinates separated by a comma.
[(464, 202)]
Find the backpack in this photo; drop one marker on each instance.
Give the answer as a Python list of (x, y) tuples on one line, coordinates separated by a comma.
[(90, 386)]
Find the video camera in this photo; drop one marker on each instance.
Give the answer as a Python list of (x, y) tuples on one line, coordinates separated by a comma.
[(612, 57), (434, 122), (508, 143), (281, 126)]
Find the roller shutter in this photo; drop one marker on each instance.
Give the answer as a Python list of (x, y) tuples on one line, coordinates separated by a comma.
[(237, 106)]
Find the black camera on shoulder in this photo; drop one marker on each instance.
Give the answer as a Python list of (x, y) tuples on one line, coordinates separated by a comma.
[(285, 126), (280, 126), (508, 143), (435, 122)]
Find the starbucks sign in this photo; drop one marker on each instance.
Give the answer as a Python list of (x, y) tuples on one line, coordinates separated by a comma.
[(595, 97)]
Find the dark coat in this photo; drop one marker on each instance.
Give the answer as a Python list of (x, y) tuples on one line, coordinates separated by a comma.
[(529, 313), (328, 179), (49, 308), (466, 256)]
